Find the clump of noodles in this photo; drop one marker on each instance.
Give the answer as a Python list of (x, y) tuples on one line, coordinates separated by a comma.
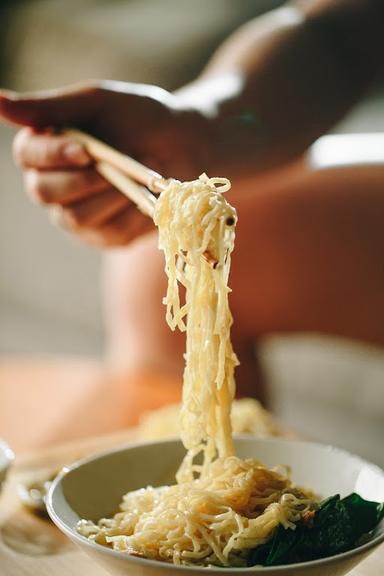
[(196, 232), (213, 520), (223, 507)]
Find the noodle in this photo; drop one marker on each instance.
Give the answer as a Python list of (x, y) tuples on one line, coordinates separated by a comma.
[(247, 417), (213, 520), (221, 507), (192, 218)]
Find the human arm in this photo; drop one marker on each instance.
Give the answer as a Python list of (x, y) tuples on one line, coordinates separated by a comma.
[(285, 78), (134, 118), (270, 90)]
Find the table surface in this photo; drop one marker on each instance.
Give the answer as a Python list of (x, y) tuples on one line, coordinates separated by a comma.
[(30, 545)]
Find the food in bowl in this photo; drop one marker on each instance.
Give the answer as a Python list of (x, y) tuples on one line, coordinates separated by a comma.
[(95, 487), (239, 514), (224, 510)]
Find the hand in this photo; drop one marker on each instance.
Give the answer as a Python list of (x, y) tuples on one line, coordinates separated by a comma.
[(145, 122)]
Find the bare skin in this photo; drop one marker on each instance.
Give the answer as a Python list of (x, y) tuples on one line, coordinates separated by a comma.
[(265, 96), (307, 259)]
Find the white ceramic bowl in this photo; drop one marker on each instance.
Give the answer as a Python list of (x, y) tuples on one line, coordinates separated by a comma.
[(93, 488), (6, 459)]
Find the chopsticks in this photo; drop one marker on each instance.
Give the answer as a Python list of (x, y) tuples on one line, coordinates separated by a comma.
[(144, 200), (136, 181)]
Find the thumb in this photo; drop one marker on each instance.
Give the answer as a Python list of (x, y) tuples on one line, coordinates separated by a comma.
[(60, 107)]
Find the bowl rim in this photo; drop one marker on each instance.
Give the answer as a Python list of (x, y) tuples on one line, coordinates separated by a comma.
[(82, 540)]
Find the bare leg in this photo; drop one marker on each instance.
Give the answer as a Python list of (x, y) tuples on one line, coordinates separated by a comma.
[(308, 258)]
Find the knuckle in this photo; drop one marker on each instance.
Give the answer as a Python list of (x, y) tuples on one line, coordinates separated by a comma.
[(94, 88), (36, 187), (49, 153), (113, 235), (75, 218), (97, 86), (59, 156), (20, 145)]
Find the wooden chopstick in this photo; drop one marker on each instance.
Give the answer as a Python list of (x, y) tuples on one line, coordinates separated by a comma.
[(144, 200), (127, 165), (132, 178), (129, 176)]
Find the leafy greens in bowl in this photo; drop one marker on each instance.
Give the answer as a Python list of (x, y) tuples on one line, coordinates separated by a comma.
[(338, 525)]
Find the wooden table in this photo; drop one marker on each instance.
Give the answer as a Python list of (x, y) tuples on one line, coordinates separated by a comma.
[(30, 546)]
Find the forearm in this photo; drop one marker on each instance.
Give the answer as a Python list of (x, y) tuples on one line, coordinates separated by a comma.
[(285, 78)]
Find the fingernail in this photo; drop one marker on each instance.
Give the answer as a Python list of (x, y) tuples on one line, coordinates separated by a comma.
[(76, 153)]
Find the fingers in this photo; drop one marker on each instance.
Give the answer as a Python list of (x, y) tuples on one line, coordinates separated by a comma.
[(85, 204), (107, 222), (118, 230), (48, 151), (94, 211), (58, 173), (63, 187), (59, 107)]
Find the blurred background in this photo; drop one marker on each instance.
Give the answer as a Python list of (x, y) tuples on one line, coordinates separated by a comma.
[(50, 291)]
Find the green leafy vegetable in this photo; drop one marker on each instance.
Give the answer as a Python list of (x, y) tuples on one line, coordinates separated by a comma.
[(337, 526)]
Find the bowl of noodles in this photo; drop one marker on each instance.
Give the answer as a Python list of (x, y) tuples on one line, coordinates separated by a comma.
[(211, 502), (100, 502)]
